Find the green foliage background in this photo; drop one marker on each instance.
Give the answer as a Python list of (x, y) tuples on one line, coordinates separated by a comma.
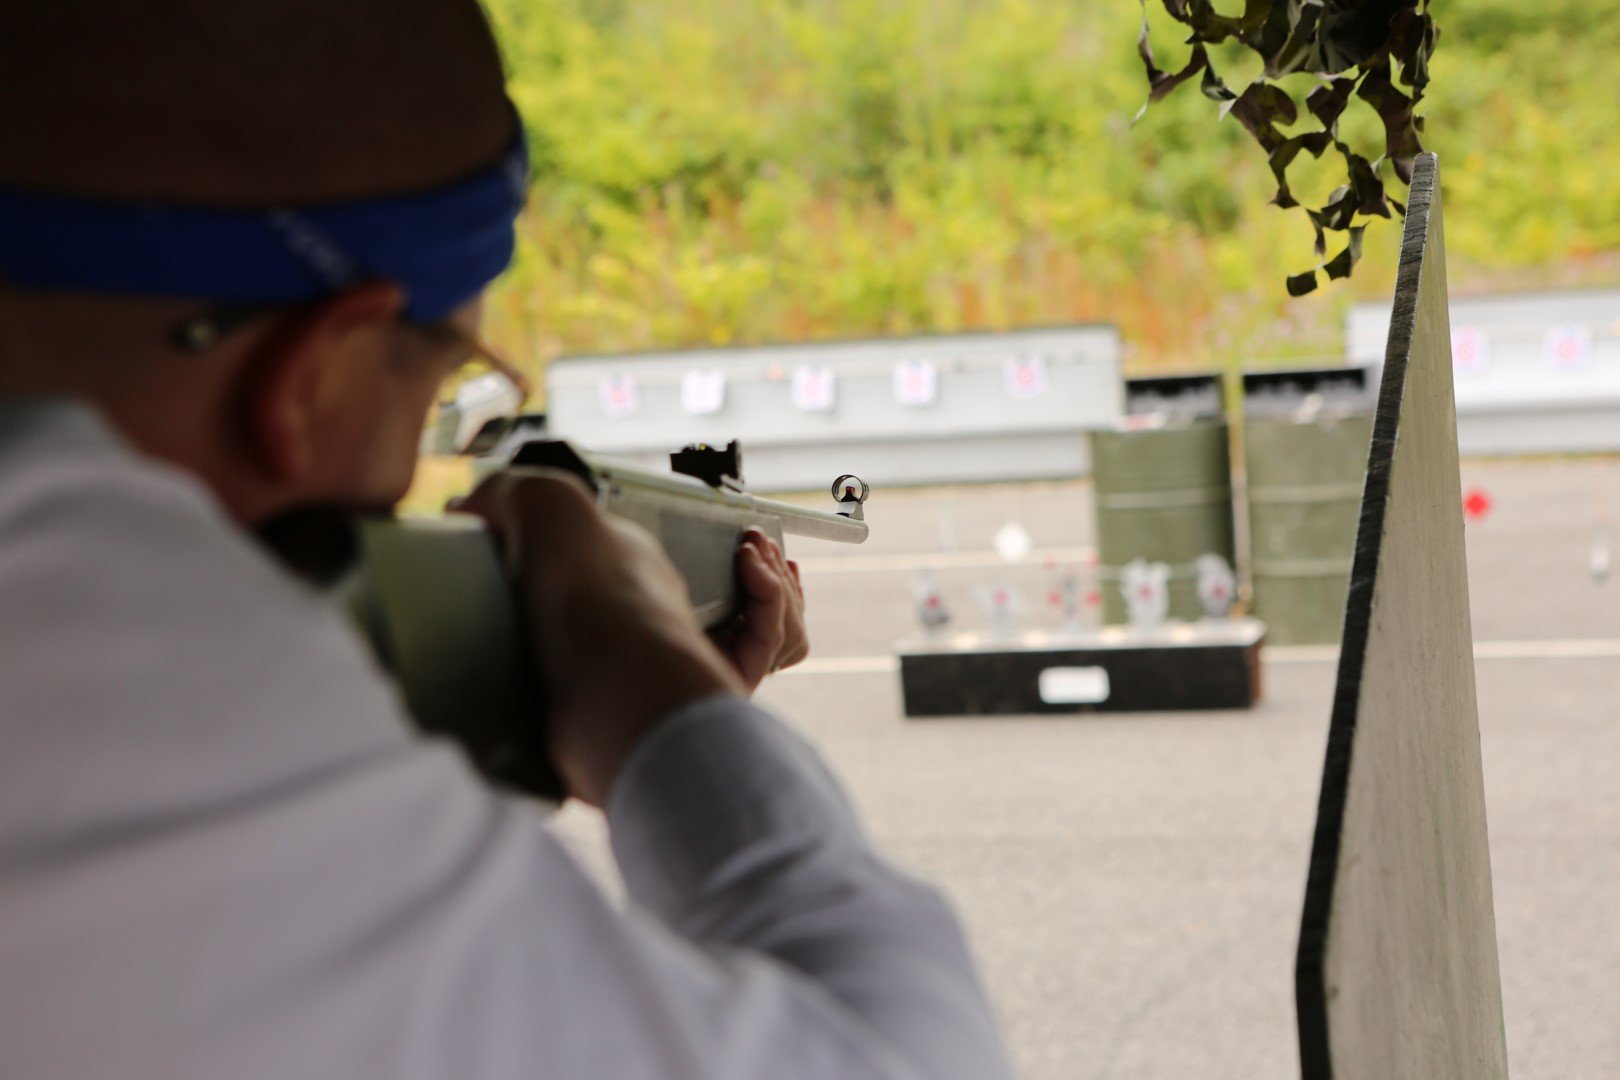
[(729, 171)]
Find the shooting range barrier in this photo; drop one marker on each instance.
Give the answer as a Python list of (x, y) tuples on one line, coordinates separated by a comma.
[(943, 408), (1305, 437), (1397, 970), (1535, 373), (1163, 489)]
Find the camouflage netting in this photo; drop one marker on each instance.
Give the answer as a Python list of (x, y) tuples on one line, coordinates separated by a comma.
[(1377, 50)]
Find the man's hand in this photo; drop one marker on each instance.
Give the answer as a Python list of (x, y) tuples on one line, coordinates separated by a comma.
[(769, 635), (616, 642)]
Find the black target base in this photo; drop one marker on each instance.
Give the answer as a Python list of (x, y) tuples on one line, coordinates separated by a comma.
[(1179, 667)]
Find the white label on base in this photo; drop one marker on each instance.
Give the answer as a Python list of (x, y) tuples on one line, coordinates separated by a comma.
[(1074, 685)]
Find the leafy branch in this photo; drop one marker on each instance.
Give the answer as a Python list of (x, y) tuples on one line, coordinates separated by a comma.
[(1368, 49)]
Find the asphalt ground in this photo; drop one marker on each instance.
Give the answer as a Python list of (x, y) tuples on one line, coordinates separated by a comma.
[(1132, 883)]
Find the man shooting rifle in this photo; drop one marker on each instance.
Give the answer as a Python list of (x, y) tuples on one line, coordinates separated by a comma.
[(241, 246)]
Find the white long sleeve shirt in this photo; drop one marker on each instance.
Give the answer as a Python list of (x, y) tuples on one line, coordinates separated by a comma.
[(224, 853)]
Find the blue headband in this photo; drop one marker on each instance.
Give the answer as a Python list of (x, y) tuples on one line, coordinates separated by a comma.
[(443, 246)]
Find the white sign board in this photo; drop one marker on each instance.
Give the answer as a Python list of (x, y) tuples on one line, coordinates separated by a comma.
[(703, 393), (916, 383), (1567, 347), (858, 420), (619, 396), (1470, 350), (1026, 376), (815, 389)]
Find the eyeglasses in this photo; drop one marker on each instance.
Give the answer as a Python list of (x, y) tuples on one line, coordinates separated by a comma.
[(478, 353), (478, 403)]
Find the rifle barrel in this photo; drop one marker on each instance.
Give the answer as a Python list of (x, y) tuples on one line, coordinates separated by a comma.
[(617, 481)]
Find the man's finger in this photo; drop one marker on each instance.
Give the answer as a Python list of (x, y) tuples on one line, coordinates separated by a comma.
[(778, 559), (755, 649), (758, 576), (788, 569), (795, 642)]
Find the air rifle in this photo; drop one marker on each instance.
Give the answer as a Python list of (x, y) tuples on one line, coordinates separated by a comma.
[(432, 596)]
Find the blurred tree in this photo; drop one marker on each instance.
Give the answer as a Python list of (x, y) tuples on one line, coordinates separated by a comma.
[(732, 171), (1365, 48)]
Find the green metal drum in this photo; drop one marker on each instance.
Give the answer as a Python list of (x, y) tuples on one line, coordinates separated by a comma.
[(1163, 494), (1305, 478)]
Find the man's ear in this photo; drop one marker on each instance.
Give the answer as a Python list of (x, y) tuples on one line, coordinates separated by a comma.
[(297, 370)]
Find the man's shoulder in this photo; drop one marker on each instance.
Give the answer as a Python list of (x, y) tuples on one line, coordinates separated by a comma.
[(75, 499), (150, 651), (63, 467)]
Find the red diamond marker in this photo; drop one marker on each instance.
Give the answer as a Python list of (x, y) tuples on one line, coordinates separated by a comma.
[(1476, 504)]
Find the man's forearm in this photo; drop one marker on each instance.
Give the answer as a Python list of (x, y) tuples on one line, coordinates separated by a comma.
[(730, 829)]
